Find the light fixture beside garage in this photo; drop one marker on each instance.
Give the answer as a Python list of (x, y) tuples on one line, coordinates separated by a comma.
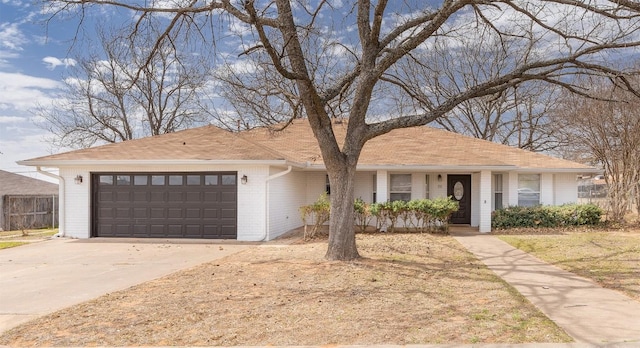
[(78, 179), (243, 180)]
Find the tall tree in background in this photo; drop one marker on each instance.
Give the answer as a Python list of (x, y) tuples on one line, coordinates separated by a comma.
[(517, 116), (606, 132), (122, 92), (347, 58)]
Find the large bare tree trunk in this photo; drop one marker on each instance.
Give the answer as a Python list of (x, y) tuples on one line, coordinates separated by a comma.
[(342, 242)]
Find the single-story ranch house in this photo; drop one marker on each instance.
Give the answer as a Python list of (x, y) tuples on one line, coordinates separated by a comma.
[(210, 183)]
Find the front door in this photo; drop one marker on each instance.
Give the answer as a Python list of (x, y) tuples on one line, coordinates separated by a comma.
[(459, 189)]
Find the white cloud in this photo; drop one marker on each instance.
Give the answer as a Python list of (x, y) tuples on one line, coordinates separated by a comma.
[(53, 62), (22, 92), (10, 119), (11, 37)]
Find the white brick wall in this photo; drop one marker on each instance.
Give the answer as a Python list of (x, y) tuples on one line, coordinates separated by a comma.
[(566, 188), (546, 189), (286, 196)]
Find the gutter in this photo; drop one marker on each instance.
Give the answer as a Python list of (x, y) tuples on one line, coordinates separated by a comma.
[(265, 235), (61, 200)]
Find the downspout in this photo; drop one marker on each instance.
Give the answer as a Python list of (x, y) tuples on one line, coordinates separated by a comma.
[(265, 235), (61, 191)]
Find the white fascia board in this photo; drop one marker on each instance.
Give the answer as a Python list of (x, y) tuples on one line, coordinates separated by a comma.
[(559, 170), (98, 163), (429, 168)]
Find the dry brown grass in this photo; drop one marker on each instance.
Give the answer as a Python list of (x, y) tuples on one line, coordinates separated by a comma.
[(408, 288), (609, 257)]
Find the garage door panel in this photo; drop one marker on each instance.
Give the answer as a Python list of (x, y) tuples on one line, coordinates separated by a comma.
[(227, 197), (210, 213), (123, 213), (141, 213), (174, 213), (175, 197), (141, 196), (210, 197), (156, 197), (228, 213), (123, 197), (107, 213), (193, 213), (165, 205), (193, 197)]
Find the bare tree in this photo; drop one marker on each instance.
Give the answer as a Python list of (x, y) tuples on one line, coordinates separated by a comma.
[(606, 132), (371, 41), (124, 93)]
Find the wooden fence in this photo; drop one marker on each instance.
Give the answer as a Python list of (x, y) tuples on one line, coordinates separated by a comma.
[(23, 212)]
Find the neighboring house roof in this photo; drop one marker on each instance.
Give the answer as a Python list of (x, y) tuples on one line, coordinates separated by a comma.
[(16, 184), (296, 145)]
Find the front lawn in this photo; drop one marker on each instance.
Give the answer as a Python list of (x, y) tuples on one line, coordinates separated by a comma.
[(407, 289), (611, 258)]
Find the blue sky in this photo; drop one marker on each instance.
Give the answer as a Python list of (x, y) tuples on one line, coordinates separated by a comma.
[(33, 58)]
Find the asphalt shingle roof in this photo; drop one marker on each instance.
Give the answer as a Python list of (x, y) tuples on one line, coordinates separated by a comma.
[(16, 184), (419, 146)]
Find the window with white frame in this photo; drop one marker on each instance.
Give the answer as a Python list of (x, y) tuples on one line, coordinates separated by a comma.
[(528, 190), (497, 191), (426, 186), (400, 187)]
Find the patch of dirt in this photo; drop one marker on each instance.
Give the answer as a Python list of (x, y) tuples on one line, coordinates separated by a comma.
[(407, 289)]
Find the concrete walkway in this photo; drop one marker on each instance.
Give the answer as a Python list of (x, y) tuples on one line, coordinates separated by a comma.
[(43, 277), (587, 312)]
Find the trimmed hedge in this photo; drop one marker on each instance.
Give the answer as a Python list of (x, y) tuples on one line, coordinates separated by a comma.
[(546, 216)]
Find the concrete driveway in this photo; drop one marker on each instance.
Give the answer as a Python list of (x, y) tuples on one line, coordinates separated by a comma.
[(46, 276)]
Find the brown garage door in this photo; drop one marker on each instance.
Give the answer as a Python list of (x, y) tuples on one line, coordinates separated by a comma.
[(165, 205)]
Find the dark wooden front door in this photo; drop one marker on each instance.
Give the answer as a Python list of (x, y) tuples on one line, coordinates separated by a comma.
[(459, 189)]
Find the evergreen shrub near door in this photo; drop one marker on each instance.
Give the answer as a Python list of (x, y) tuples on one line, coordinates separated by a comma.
[(546, 216)]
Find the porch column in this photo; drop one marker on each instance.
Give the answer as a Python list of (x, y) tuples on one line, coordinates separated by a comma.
[(485, 201), (382, 187), (512, 189)]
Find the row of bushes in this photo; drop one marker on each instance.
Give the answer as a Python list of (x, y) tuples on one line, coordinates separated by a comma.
[(546, 216), (418, 215)]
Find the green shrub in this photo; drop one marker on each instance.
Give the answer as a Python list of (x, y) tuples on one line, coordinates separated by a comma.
[(546, 216), (319, 212)]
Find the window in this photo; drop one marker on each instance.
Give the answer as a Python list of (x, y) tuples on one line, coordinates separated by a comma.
[(106, 180), (228, 179), (210, 180), (175, 180), (426, 186), (193, 180), (528, 190), (140, 180), (157, 180), (123, 180), (400, 188), (327, 185), (497, 191)]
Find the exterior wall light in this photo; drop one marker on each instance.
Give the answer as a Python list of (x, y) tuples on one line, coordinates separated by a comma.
[(78, 179), (439, 177), (243, 180)]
